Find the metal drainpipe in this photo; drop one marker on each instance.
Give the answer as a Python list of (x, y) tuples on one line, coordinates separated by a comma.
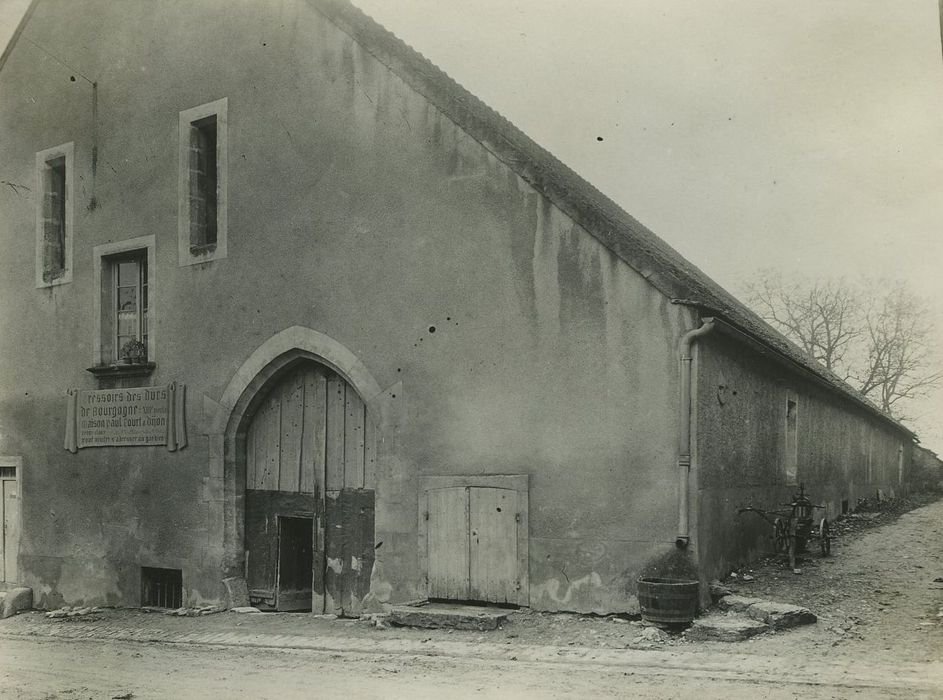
[(684, 442)]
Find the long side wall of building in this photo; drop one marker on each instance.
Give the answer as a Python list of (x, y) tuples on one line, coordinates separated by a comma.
[(841, 452)]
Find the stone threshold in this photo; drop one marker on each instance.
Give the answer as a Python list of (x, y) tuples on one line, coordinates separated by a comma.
[(449, 616)]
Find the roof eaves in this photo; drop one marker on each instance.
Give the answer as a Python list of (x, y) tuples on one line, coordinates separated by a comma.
[(820, 375)]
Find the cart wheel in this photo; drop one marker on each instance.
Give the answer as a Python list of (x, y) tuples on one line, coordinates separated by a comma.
[(780, 536), (825, 537)]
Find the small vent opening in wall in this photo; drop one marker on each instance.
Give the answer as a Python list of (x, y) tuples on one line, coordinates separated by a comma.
[(161, 588)]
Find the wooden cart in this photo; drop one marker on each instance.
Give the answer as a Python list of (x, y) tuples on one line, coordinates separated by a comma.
[(794, 525)]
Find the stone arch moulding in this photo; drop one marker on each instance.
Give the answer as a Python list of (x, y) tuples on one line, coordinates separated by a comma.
[(223, 420), (271, 356)]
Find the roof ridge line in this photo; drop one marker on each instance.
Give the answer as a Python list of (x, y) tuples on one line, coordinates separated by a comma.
[(631, 241)]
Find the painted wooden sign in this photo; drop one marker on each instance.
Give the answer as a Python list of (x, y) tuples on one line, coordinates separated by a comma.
[(148, 415)]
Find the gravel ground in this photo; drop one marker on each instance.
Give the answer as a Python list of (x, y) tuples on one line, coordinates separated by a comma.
[(879, 592)]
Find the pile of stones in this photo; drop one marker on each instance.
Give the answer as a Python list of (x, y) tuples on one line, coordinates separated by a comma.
[(77, 611), (186, 612), (741, 618)]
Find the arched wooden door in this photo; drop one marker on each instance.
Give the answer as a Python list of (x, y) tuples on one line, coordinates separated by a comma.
[(309, 526)]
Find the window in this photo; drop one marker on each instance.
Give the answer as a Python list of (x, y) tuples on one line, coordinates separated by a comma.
[(54, 216), (203, 184), (161, 588), (125, 274), (128, 300), (54, 219), (202, 173), (792, 439)]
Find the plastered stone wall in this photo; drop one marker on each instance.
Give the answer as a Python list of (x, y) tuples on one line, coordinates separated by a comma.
[(844, 453), (504, 339)]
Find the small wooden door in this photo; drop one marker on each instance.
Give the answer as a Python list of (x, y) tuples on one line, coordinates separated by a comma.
[(473, 544), (448, 543), (310, 451), (10, 523), (492, 539), (274, 544)]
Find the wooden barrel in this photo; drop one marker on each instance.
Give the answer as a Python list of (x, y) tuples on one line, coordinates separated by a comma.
[(668, 601)]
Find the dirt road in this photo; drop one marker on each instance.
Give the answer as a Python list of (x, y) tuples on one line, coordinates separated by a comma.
[(36, 669), (879, 595), (880, 634)]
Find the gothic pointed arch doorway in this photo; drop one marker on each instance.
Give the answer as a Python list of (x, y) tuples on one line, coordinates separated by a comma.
[(310, 452)]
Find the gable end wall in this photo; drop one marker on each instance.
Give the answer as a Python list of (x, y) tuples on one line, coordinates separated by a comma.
[(508, 339)]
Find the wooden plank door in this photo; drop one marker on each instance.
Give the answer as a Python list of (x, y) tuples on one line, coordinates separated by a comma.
[(309, 445), (448, 531), (269, 547), (10, 522), (473, 544), (492, 544), (284, 473), (348, 549), (261, 549)]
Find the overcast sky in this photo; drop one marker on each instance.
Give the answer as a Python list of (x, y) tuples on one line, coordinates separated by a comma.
[(10, 13), (796, 134)]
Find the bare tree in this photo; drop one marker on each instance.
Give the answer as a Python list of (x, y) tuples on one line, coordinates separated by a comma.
[(899, 363), (876, 335), (823, 317)]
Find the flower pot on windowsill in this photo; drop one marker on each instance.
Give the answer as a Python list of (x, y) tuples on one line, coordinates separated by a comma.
[(133, 353)]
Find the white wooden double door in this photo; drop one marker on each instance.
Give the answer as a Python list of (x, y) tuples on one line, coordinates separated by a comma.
[(473, 543)]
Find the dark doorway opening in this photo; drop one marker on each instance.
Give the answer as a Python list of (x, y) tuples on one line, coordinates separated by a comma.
[(295, 563)]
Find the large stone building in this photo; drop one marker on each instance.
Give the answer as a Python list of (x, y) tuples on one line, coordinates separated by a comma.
[(390, 348)]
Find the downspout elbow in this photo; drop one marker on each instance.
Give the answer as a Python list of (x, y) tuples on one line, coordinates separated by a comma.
[(684, 438)]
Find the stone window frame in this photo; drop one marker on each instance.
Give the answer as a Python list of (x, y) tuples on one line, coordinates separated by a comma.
[(791, 446), (43, 159), (100, 255), (187, 254)]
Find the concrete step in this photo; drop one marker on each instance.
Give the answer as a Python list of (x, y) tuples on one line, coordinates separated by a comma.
[(445, 615), (779, 616)]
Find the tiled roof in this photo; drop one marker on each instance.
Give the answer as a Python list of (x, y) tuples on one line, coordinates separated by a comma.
[(635, 244)]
